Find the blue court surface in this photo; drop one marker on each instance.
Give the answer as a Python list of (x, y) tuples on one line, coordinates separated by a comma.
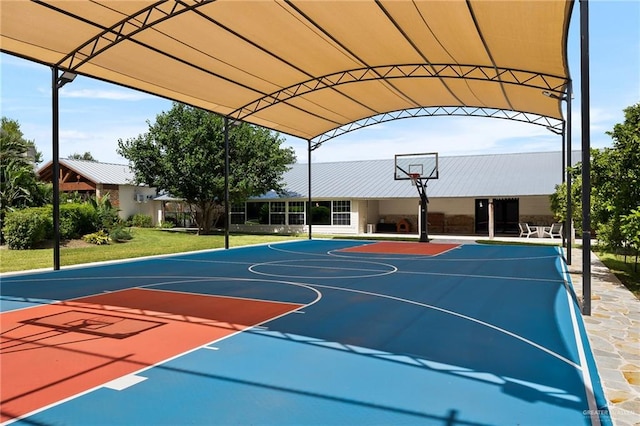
[(475, 335)]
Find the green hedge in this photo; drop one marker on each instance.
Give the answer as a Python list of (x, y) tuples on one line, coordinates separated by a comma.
[(25, 228), (76, 220), (140, 220)]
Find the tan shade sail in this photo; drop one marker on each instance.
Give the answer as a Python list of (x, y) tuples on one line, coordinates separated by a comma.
[(307, 67)]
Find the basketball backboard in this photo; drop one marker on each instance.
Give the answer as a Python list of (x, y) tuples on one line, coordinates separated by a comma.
[(425, 165)]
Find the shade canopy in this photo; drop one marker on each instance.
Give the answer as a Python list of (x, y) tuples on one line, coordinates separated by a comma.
[(309, 68)]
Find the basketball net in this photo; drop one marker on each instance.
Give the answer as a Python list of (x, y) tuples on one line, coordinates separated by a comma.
[(414, 178)]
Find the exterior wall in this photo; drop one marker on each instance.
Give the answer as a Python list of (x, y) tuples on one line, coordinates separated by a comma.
[(131, 204), (272, 229), (369, 214), (457, 215), (356, 226), (536, 210), (446, 216), (452, 206), (397, 210)]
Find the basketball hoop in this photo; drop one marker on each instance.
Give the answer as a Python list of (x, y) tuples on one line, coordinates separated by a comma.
[(414, 178)]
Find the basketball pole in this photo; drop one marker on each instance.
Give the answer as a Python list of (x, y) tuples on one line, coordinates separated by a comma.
[(424, 203)]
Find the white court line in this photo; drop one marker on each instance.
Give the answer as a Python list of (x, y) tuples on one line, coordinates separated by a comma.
[(299, 253), (285, 263), (205, 346), (225, 262), (124, 382), (436, 258), (495, 277), (459, 315), (584, 366), (250, 299), (332, 253)]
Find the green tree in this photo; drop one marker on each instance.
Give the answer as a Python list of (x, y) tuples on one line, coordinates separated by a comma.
[(615, 178), (183, 153), (19, 185), (86, 156), (631, 232), (615, 182), (559, 199)]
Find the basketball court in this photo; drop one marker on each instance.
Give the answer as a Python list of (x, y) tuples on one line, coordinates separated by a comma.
[(305, 332)]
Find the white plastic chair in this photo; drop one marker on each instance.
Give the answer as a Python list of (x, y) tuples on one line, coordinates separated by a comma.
[(554, 231), (525, 230)]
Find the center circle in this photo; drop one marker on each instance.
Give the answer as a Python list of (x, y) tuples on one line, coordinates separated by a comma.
[(322, 268)]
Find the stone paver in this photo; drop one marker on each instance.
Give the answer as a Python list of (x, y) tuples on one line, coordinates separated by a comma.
[(614, 334)]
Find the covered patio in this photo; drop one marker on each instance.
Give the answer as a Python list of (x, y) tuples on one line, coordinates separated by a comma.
[(317, 70)]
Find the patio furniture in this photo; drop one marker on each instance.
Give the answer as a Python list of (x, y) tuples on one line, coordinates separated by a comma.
[(555, 230), (525, 230)]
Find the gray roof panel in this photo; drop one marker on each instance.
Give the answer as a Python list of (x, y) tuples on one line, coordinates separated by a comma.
[(495, 175), (104, 173)]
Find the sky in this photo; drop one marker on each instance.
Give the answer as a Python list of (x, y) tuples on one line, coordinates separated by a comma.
[(94, 115)]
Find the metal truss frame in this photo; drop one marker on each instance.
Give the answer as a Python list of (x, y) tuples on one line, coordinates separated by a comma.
[(446, 111), (544, 82), (123, 30)]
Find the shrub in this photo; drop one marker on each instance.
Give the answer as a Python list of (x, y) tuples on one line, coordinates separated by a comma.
[(98, 238), (23, 229), (107, 215), (141, 220), (77, 219), (120, 234)]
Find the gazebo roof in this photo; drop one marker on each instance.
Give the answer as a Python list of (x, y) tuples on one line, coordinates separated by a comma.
[(310, 68)]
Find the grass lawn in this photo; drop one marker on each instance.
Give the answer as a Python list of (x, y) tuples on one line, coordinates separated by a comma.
[(145, 242), (627, 272)]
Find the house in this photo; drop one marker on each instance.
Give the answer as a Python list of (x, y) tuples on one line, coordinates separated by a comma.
[(92, 178), (353, 197), (362, 196)]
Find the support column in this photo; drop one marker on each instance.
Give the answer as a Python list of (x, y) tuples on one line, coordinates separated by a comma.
[(226, 183), (55, 149), (586, 158), (569, 219), (309, 187), (491, 219)]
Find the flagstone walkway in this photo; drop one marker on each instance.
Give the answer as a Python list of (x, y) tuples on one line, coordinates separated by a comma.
[(614, 334)]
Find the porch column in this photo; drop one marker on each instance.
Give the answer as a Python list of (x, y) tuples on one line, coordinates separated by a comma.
[(491, 219)]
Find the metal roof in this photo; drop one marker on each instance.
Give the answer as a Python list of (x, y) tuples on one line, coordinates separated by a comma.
[(496, 175), (306, 68), (96, 172)]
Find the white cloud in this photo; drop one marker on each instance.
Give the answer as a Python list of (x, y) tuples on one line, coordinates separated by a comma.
[(113, 95), (445, 135)]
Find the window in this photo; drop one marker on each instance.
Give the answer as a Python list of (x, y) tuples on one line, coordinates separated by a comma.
[(296, 213), (321, 213), (277, 213), (342, 212), (237, 214), (258, 213)]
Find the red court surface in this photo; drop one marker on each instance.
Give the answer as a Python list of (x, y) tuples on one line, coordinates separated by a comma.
[(53, 352), (403, 247)]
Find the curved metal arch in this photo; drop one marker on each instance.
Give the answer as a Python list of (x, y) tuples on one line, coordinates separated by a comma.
[(447, 111), (125, 29), (545, 82)]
